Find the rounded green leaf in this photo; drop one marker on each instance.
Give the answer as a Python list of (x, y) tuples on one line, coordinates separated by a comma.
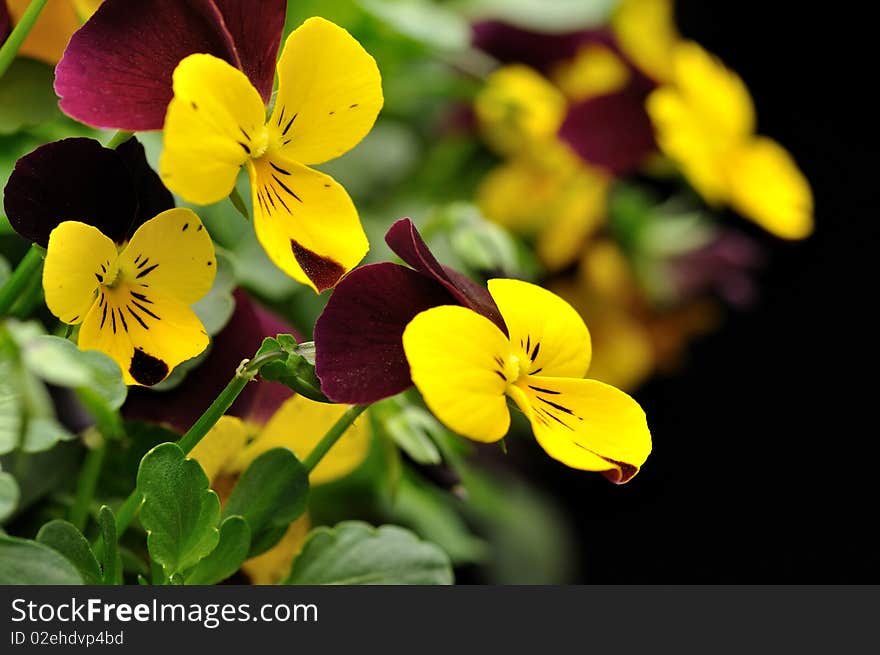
[(179, 511), (66, 539), (355, 553), (227, 557), (271, 493), (25, 562)]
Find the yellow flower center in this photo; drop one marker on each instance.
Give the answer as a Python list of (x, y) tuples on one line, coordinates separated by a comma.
[(516, 367), (260, 142)]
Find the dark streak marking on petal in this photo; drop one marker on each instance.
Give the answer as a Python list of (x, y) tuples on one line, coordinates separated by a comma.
[(100, 278), (324, 272), (246, 135), (555, 393), (281, 116), (284, 186), (146, 369), (194, 105), (141, 296), (278, 195), (279, 169), (287, 127), (353, 106), (144, 263), (137, 318), (245, 146), (113, 319), (103, 317), (185, 227), (501, 375), (536, 371), (201, 227), (535, 351), (145, 310), (561, 408), (146, 271), (122, 318), (555, 418)]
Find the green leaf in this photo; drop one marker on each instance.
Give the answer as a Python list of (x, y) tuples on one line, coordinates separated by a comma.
[(10, 402), (227, 557), (42, 433), (26, 95), (25, 562), (5, 269), (179, 511), (356, 553), (58, 361), (8, 495), (271, 493), (541, 15), (111, 558), (67, 540), (410, 427), (426, 22), (294, 371)]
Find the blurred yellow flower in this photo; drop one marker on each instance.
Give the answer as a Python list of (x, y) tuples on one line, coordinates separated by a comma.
[(594, 71), (705, 122), (57, 23), (232, 444), (646, 32)]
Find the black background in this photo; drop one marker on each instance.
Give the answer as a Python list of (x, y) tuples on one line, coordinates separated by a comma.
[(765, 444)]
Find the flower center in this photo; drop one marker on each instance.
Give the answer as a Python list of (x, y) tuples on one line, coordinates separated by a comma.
[(515, 368), (260, 142)]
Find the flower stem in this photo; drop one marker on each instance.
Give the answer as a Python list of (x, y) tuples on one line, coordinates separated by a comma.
[(86, 484), (19, 34), (118, 139), (245, 373), (21, 276), (332, 436)]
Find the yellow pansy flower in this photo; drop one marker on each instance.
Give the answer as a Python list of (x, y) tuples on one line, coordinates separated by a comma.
[(133, 301), (705, 122), (646, 32), (329, 95), (595, 70), (466, 381), (298, 424)]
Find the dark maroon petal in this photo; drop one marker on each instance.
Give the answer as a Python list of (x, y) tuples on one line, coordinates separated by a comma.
[(255, 28), (358, 337), (612, 132), (116, 70), (70, 180), (508, 43), (5, 22), (181, 406), (405, 240), (152, 196)]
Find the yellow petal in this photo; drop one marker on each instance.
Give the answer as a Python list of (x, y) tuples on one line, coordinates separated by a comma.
[(298, 425), (645, 30), (594, 71), (145, 332), (171, 253), (49, 36), (458, 361), (518, 107), (79, 259), (589, 425), (517, 194), (274, 565), (548, 333), (329, 93), (767, 187), (578, 211), (223, 443), (701, 118), (214, 123), (305, 221)]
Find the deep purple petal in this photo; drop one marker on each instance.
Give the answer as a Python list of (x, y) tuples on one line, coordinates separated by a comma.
[(5, 22), (116, 70), (152, 196), (181, 406), (612, 132), (405, 240), (255, 28), (70, 180), (358, 337)]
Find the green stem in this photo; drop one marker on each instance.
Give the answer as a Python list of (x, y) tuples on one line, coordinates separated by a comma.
[(332, 436), (118, 139), (19, 34), (85, 486), (21, 276), (245, 373)]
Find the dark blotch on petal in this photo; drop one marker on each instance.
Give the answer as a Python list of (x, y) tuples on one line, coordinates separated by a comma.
[(70, 180), (146, 369), (358, 338), (625, 474), (612, 131), (404, 239), (181, 406), (322, 271)]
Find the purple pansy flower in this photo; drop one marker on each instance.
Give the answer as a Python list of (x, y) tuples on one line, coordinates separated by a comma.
[(358, 337)]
